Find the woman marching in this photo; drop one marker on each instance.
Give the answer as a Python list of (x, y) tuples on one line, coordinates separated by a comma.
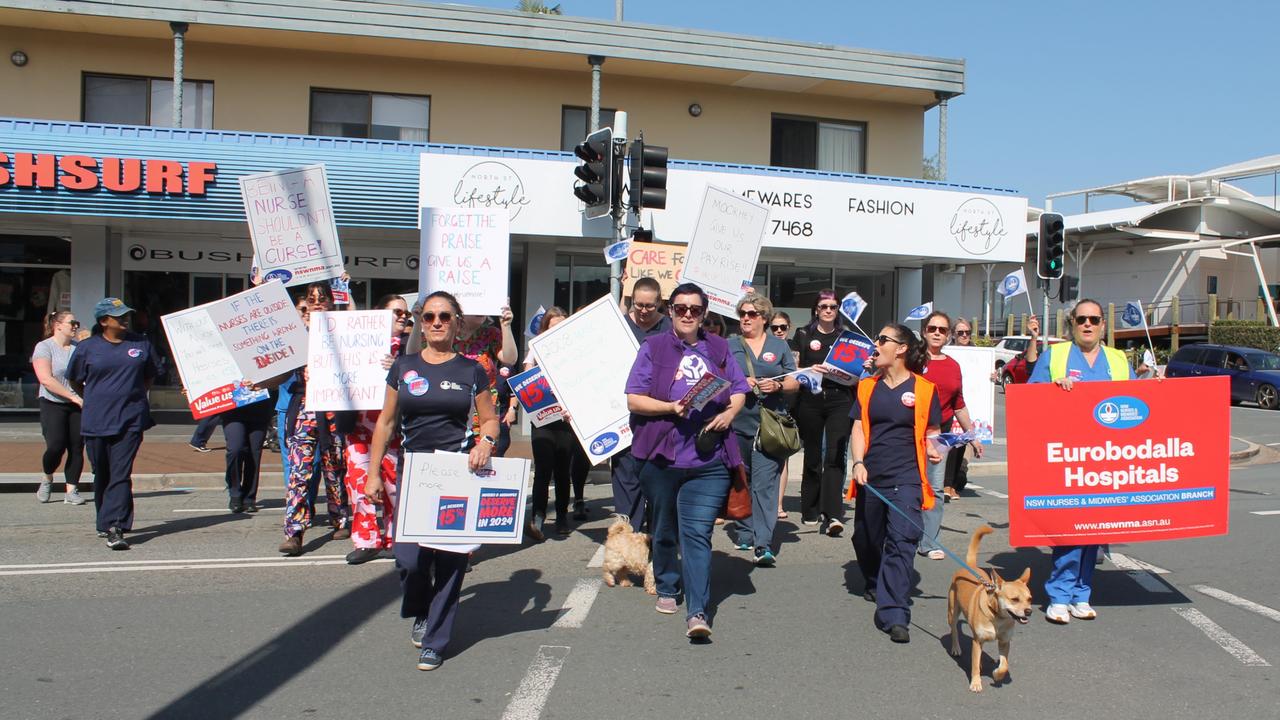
[(60, 408), (430, 396), (824, 421), (779, 326), (895, 411)]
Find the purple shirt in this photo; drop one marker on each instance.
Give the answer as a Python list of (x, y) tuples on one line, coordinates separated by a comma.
[(694, 364)]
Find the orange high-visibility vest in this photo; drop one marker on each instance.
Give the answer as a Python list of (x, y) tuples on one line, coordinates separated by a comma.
[(924, 397)]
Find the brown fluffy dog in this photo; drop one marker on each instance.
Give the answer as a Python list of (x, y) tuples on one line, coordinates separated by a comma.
[(626, 553), (991, 611)]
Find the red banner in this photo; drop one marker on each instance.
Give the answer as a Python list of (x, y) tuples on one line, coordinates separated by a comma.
[(1118, 462)]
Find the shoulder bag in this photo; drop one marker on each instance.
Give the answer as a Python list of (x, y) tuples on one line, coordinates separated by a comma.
[(779, 435)]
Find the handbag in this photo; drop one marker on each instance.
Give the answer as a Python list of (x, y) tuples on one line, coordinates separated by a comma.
[(779, 435), (737, 504)]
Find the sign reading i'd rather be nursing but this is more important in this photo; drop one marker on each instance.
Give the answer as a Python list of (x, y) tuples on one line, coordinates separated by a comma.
[(291, 224), (442, 501), (725, 247), (344, 360), (262, 330), (466, 253)]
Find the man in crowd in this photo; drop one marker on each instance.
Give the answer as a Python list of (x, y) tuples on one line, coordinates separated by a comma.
[(645, 318)]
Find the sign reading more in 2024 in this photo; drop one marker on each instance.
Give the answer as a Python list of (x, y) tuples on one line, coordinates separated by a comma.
[(291, 224)]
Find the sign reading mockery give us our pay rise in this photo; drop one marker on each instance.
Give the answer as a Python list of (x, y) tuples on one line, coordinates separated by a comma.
[(1118, 462)]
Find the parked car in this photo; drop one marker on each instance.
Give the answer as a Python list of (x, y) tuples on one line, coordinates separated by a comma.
[(1015, 371), (1255, 374), (1010, 345)]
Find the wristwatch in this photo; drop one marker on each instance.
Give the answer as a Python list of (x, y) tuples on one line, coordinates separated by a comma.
[(856, 463), (489, 439)]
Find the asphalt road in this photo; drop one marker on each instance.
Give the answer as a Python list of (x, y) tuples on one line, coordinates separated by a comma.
[(202, 619)]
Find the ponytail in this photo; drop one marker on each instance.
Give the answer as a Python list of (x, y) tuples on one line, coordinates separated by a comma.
[(917, 355)]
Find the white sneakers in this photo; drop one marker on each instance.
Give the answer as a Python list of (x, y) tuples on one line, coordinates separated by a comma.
[(1082, 611), (1061, 613)]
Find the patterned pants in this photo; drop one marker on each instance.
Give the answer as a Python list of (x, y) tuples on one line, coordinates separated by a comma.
[(365, 530), (303, 447)]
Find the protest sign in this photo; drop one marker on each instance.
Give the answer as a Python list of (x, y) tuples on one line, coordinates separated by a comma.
[(1118, 462), (442, 501), (291, 224), (725, 246), (586, 358), (208, 371), (703, 391), (262, 330), (466, 253), (533, 392), (344, 360), (663, 262), (844, 360), (979, 392)]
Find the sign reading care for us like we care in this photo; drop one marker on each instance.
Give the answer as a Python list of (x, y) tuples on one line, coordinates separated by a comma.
[(344, 360), (466, 252)]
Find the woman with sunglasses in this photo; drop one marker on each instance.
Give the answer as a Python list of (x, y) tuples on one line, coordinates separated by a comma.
[(713, 324), (1084, 359), (780, 327), (430, 395), (824, 421), (491, 346), (896, 410), (963, 333), (944, 373), (687, 453), (956, 475), (370, 534), (60, 408)]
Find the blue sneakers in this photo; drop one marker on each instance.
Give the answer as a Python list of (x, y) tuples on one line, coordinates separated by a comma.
[(765, 558), (419, 631), (429, 659)]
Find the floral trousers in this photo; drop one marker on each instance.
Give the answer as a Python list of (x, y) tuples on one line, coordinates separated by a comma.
[(366, 530), (303, 446)]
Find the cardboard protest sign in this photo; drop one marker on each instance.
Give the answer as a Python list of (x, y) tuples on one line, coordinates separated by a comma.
[(262, 330), (208, 371), (979, 392), (1118, 462), (467, 253), (586, 358), (442, 501), (291, 225), (663, 262), (344, 360), (844, 360), (725, 247), (533, 392)]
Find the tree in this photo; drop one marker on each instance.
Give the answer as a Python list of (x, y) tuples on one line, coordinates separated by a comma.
[(930, 169), (537, 7)]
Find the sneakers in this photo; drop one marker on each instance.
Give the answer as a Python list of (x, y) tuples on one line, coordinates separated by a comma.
[(429, 659), (900, 634), (936, 555), (949, 493), (809, 521), (742, 546), (1082, 611), (834, 527), (115, 539), (419, 631), (765, 558), (292, 546), (1058, 613), (198, 448), (562, 527), (579, 510), (869, 595), (44, 492), (73, 498), (698, 629), (359, 556), (235, 505), (666, 605), (250, 506)]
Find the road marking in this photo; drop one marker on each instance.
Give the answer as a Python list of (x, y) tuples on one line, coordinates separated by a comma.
[(1238, 601), (993, 493), (597, 560), (1265, 512), (1124, 562), (578, 604), (196, 565), (202, 510), (975, 486), (1226, 640), (531, 696), (172, 561)]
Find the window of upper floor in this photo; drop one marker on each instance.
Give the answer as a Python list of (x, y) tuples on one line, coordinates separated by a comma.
[(134, 100), (813, 144), (376, 116), (575, 124)]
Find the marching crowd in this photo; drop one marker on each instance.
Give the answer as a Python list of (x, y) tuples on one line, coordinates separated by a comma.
[(872, 442)]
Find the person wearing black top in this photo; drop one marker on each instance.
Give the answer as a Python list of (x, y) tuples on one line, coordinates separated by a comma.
[(824, 421)]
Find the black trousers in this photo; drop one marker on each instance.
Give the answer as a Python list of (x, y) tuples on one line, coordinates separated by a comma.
[(627, 497), (112, 457), (558, 457), (244, 433), (431, 581), (204, 430), (60, 425), (824, 431), (957, 473), (885, 544)]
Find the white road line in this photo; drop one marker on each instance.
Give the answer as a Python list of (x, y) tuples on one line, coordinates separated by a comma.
[(578, 604), (531, 696), (121, 567), (171, 561), (993, 493), (975, 486), (202, 510), (597, 560), (1226, 640), (1264, 512), (1124, 562), (1238, 601)]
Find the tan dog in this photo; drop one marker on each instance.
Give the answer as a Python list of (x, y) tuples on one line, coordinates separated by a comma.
[(626, 553), (991, 611)]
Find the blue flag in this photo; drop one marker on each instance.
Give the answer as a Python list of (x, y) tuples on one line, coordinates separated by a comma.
[(919, 312), (1015, 283), (852, 306), (1133, 316)]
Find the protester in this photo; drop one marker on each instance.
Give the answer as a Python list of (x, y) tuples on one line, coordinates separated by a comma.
[(200, 436), (314, 439), (284, 417), (956, 475), (506, 406), (824, 421), (113, 371), (687, 454), (713, 324), (245, 429), (491, 346), (646, 319), (944, 373), (1084, 359), (894, 413), (962, 335), (60, 408), (370, 534), (779, 326), (762, 357), (430, 396)]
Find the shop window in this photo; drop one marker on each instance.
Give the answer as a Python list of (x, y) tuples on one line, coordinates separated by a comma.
[(580, 280), (127, 100), (818, 145), (575, 124), (377, 116)]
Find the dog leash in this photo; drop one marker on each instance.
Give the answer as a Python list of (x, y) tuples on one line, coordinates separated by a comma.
[(985, 583)]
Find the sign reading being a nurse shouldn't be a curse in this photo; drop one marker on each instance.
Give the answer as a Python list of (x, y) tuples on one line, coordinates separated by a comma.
[(291, 224), (725, 247), (467, 253)]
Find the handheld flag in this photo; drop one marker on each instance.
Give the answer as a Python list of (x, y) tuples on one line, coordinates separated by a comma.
[(810, 380), (852, 306), (534, 322), (1015, 283), (919, 312), (1133, 316)]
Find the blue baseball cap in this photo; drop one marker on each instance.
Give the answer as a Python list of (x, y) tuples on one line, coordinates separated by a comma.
[(113, 307)]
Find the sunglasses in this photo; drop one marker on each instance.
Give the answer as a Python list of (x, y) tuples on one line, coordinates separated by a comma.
[(1087, 319), (401, 313), (779, 328), (689, 310), (828, 306), (753, 314), (937, 329), (74, 323), (445, 316), (645, 306), (882, 339), (963, 333)]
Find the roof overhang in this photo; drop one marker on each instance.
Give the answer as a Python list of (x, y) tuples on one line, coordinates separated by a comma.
[(1223, 219)]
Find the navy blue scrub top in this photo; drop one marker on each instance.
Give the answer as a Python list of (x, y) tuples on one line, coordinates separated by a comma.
[(891, 458), (115, 377)]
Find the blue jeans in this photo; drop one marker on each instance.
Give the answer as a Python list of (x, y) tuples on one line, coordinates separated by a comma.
[(1071, 580), (763, 471), (684, 503), (933, 518)]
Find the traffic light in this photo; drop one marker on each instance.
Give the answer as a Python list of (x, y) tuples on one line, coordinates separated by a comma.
[(1070, 289), (596, 173), (648, 176), (1050, 246)]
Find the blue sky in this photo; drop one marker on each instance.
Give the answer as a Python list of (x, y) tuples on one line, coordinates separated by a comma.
[(1059, 96)]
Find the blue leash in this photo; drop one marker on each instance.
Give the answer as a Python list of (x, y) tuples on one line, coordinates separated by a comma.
[(985, 583)]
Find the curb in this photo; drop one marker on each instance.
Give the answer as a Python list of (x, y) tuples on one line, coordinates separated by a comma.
[(1249, 452)]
